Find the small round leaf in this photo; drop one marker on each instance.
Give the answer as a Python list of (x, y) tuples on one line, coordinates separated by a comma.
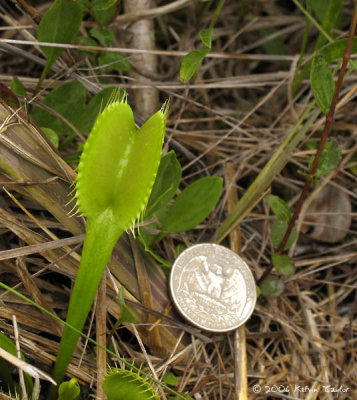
[(279, 207), (272, 286), (284, 264), (278, 229)]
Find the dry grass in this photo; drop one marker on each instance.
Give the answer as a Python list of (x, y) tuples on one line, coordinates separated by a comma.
[(300, 345)]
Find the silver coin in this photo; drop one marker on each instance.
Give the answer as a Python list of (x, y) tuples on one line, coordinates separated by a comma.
[(212, 287)]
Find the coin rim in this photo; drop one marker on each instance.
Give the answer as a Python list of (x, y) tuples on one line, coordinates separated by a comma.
[(182, 312)]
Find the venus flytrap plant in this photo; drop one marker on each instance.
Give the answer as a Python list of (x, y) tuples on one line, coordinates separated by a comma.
[(122, 384), (116, 173)]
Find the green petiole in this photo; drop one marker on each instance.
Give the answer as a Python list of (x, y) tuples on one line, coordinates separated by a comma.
[(116, 173)]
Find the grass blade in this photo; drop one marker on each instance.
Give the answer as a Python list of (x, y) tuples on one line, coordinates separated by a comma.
[(263, 180)]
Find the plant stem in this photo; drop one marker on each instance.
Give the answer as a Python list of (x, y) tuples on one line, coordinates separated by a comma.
[(32, 12), (313, 20), (101, 236), (328, 122), (216, 13)]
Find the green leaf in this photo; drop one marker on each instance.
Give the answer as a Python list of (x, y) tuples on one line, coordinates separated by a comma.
[(68, 99), (150, 233), (331, 53), (180, 248), (319, 7), (60, 24), (147, 240), (98, 102), (166, 183), (353, 64), (8, 96), (113, 61), (83, 4), (17, 87), (104, 36), (8, 345), (279, 207), (336, 50), (104, 11), (193, 204), (330, 15), (322, 83), (284, 264), (191, 64), (125, 314), (86, 41), (5, 373), (52, 136), (278, 229), (311, 145), (6, 378), (272, 286), (68, 390), (206, 37), (329, 159), (170, 378), (259, 292), (275, 45)]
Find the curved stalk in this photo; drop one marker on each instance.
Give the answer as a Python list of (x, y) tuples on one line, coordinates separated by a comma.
[(101, 237)]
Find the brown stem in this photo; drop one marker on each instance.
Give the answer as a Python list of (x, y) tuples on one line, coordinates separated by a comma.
[(30, 11), (328, 122)]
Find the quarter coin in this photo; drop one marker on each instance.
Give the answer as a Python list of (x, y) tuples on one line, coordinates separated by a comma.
[(212, 287)]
